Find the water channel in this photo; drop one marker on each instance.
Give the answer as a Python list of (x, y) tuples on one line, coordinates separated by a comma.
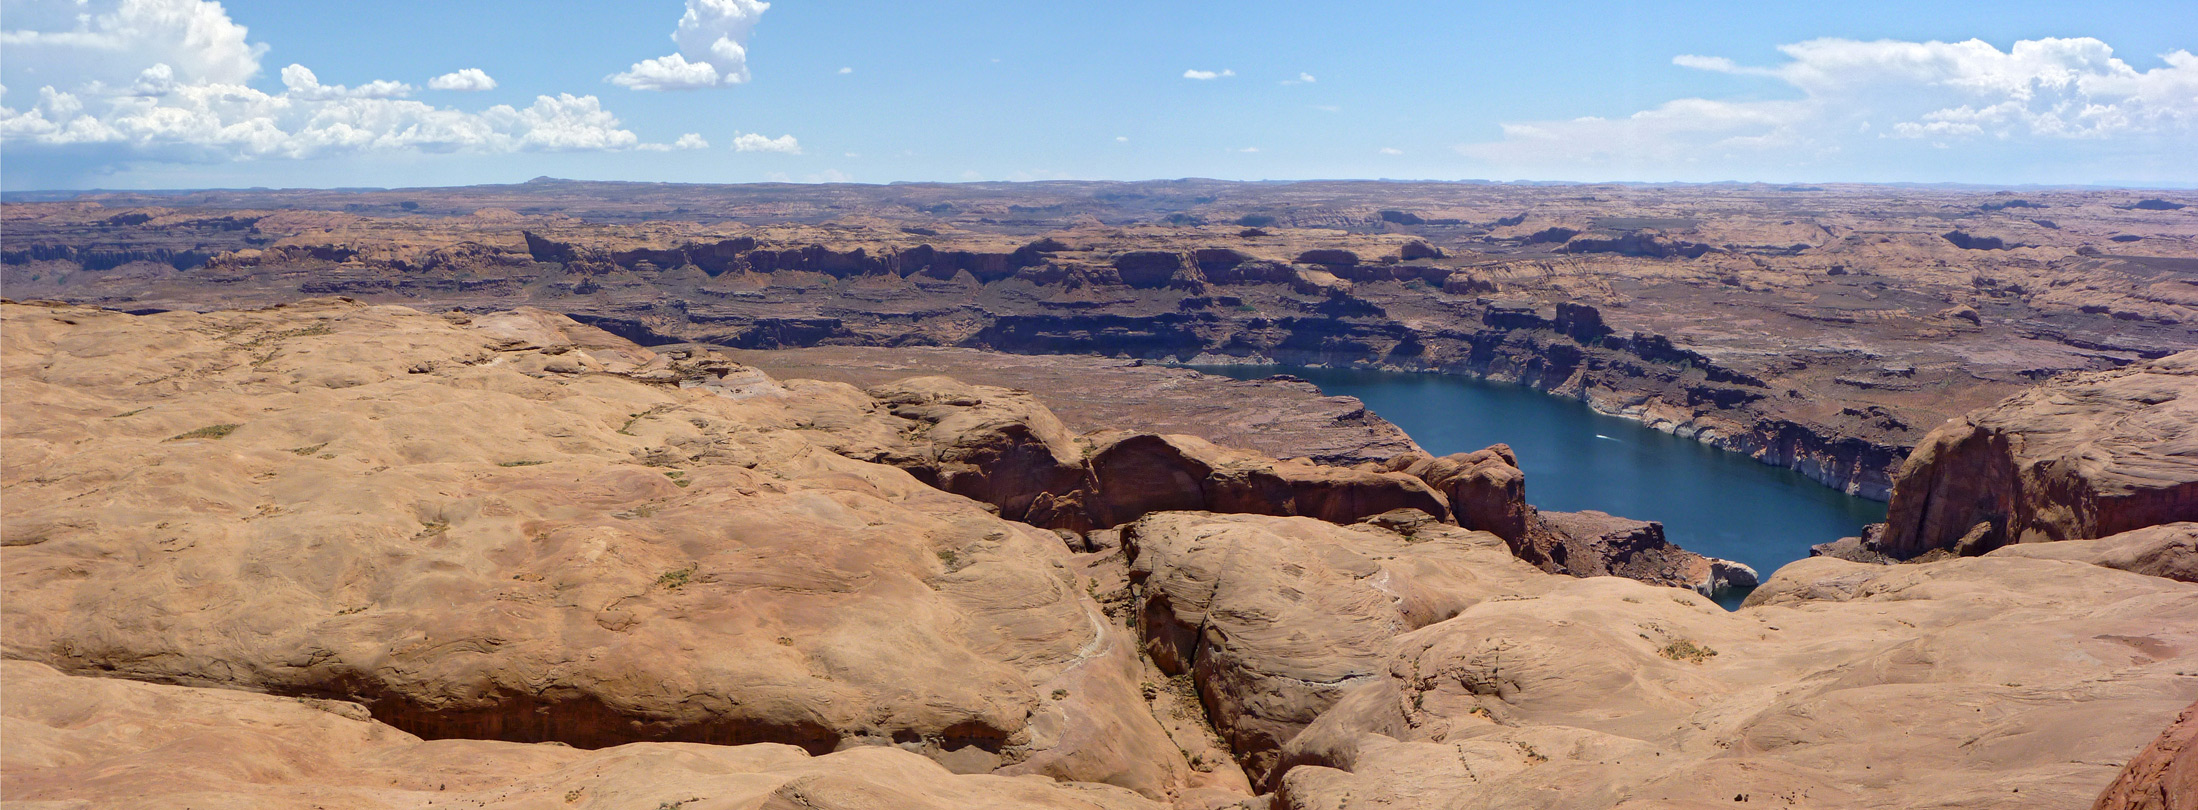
[(1710, 501)]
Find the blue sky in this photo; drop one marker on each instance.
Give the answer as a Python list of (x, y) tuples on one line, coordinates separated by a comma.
[(190, 93)]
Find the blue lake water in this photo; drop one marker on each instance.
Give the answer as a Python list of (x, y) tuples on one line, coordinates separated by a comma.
[(1710, 501)]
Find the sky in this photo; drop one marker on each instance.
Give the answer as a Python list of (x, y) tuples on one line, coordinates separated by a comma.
[(278, 93)]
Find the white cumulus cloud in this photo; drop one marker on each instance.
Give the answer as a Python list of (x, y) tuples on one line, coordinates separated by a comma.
[(129, 81), (1207, 75), (752, 142), (466, 80), (1863, 106), (712, 42), (1302, 78), (110, 41)]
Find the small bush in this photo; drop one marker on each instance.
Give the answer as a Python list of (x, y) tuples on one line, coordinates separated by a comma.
[(207, 432), (677, 578), (1685, 650), (520, 463)]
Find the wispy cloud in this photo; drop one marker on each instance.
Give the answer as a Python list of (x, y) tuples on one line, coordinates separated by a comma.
[(689, 141), (1302, 78), (1208, 75), (1863, 103)]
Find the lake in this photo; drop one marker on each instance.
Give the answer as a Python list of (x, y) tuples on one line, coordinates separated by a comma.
[(1710, 501)]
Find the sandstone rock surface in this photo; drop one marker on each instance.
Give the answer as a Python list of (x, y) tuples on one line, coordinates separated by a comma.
[(1274, 617), (2084, 456), (440, 545), (2168, 550), (477, 526), (1283, 418), (1968, 683), (2164, 776), (77, 741)]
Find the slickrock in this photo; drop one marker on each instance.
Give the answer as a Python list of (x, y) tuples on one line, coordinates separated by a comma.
[(1273, 617), (1975, 683), (101, 742), (1486, 490), (1001, 447), (2168, 550), (2164, 776), (1138, 474), (2088, 455), (482, 527), (993, 445), (403, 529), (1282, 417)]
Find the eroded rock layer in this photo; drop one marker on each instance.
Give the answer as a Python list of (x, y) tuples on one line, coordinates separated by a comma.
[(100, 742), (2084, 456)]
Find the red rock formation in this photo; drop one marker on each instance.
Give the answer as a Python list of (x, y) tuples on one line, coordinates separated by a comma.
[(2164, 776), (2080, 457)]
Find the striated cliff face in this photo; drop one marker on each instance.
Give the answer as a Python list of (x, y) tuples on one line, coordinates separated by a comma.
[(2080, 457)]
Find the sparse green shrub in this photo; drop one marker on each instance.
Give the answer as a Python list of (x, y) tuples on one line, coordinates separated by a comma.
[(677, 578), (1686, 650), (207, 432)]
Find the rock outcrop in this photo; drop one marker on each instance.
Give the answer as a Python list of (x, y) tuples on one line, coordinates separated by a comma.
[(1596, 544), (482, 527), (2085, 456), (1000, 447), (76, 741), (2168, 550), (1967, 683), (1273, 618), (1283, 417), (2164, 776), (1138, 474)]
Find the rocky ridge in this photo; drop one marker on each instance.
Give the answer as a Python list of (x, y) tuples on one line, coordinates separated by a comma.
[(2077, 457)]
